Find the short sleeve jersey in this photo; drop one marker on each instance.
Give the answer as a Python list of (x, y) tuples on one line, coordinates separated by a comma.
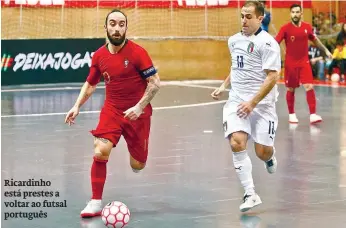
[(297, 42), (124, 74), (251, 56)]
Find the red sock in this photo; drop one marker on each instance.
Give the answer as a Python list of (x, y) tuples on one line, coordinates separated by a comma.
[(311, 99), (98, 177), (290, 101)]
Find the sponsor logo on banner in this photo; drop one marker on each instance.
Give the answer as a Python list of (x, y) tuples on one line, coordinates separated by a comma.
[(44, 61), (6, 62)]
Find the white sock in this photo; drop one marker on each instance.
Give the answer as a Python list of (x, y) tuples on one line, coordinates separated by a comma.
[(243, 167)]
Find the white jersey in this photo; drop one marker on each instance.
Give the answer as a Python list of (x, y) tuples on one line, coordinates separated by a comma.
[(251, 55)]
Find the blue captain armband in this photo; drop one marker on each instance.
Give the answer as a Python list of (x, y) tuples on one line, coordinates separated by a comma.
[(148, 72)]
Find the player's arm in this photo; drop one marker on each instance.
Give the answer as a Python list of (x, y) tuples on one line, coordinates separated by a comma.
[(86, 91), (84, 95), (269, 83), (271, 64), (89, 86), (281, 35), (245, 108), (323, 48), (312, 37), (149, 73), (152, 88), (226, 84)]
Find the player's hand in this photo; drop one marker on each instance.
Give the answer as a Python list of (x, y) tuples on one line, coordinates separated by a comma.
[(133, 113), (245, 108), (71, 115), (217, 92)]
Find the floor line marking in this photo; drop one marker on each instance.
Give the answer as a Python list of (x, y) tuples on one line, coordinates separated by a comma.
[(91, 112)]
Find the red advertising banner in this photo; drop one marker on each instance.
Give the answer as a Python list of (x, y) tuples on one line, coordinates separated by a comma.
[(145, 3)]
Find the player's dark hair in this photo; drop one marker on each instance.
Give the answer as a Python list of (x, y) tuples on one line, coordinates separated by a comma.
[(296, 5), (114, 11), (259, 8)]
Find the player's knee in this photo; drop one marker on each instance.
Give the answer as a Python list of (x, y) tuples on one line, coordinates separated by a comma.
[(102, 149), (308, 87), (237, 144), (101, 153)]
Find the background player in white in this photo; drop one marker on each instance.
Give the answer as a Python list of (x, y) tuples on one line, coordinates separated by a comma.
[(250, 109)]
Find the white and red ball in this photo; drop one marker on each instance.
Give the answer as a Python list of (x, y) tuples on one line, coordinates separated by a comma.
[(115, 215), (335, 77)]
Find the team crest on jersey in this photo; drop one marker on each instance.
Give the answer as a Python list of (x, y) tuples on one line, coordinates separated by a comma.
[(292, 38), (250, 47), (126, 63)]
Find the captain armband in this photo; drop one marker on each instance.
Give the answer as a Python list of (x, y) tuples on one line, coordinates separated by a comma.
[(148, 72)]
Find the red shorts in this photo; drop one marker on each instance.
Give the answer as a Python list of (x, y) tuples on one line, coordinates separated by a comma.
[(297, 75), (112, 125)]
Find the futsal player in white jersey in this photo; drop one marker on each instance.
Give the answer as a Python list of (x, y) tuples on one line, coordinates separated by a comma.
[(250, 110)]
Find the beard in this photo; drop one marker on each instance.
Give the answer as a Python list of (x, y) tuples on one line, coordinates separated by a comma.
[(116, 41), (295, 20)]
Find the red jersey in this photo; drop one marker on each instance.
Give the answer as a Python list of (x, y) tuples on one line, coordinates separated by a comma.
[(124, 74), (296, 40)]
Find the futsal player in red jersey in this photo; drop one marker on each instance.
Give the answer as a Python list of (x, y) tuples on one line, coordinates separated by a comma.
[(297, 66), (131, 82)]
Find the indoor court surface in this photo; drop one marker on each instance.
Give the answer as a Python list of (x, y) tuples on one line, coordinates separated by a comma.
[(189, 181)]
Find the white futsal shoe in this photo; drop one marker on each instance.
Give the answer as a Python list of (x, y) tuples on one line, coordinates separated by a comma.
[(292, 118), (315, 119), (250, 201), (271, 165), (94, 208)]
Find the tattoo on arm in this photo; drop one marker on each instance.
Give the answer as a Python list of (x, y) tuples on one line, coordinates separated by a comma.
[(152, 88), (85, 93), (102, 140), (86, 96)]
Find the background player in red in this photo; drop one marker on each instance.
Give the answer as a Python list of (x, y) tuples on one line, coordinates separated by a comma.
[(297, 67), (131, 83)]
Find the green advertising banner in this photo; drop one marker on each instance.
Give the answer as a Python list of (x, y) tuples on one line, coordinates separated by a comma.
[(46, 61)]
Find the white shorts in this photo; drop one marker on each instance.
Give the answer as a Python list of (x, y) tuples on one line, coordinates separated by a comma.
[(260, 125)]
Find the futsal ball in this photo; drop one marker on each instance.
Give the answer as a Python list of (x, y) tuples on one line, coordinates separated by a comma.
[(335, 77), (115, 215)]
